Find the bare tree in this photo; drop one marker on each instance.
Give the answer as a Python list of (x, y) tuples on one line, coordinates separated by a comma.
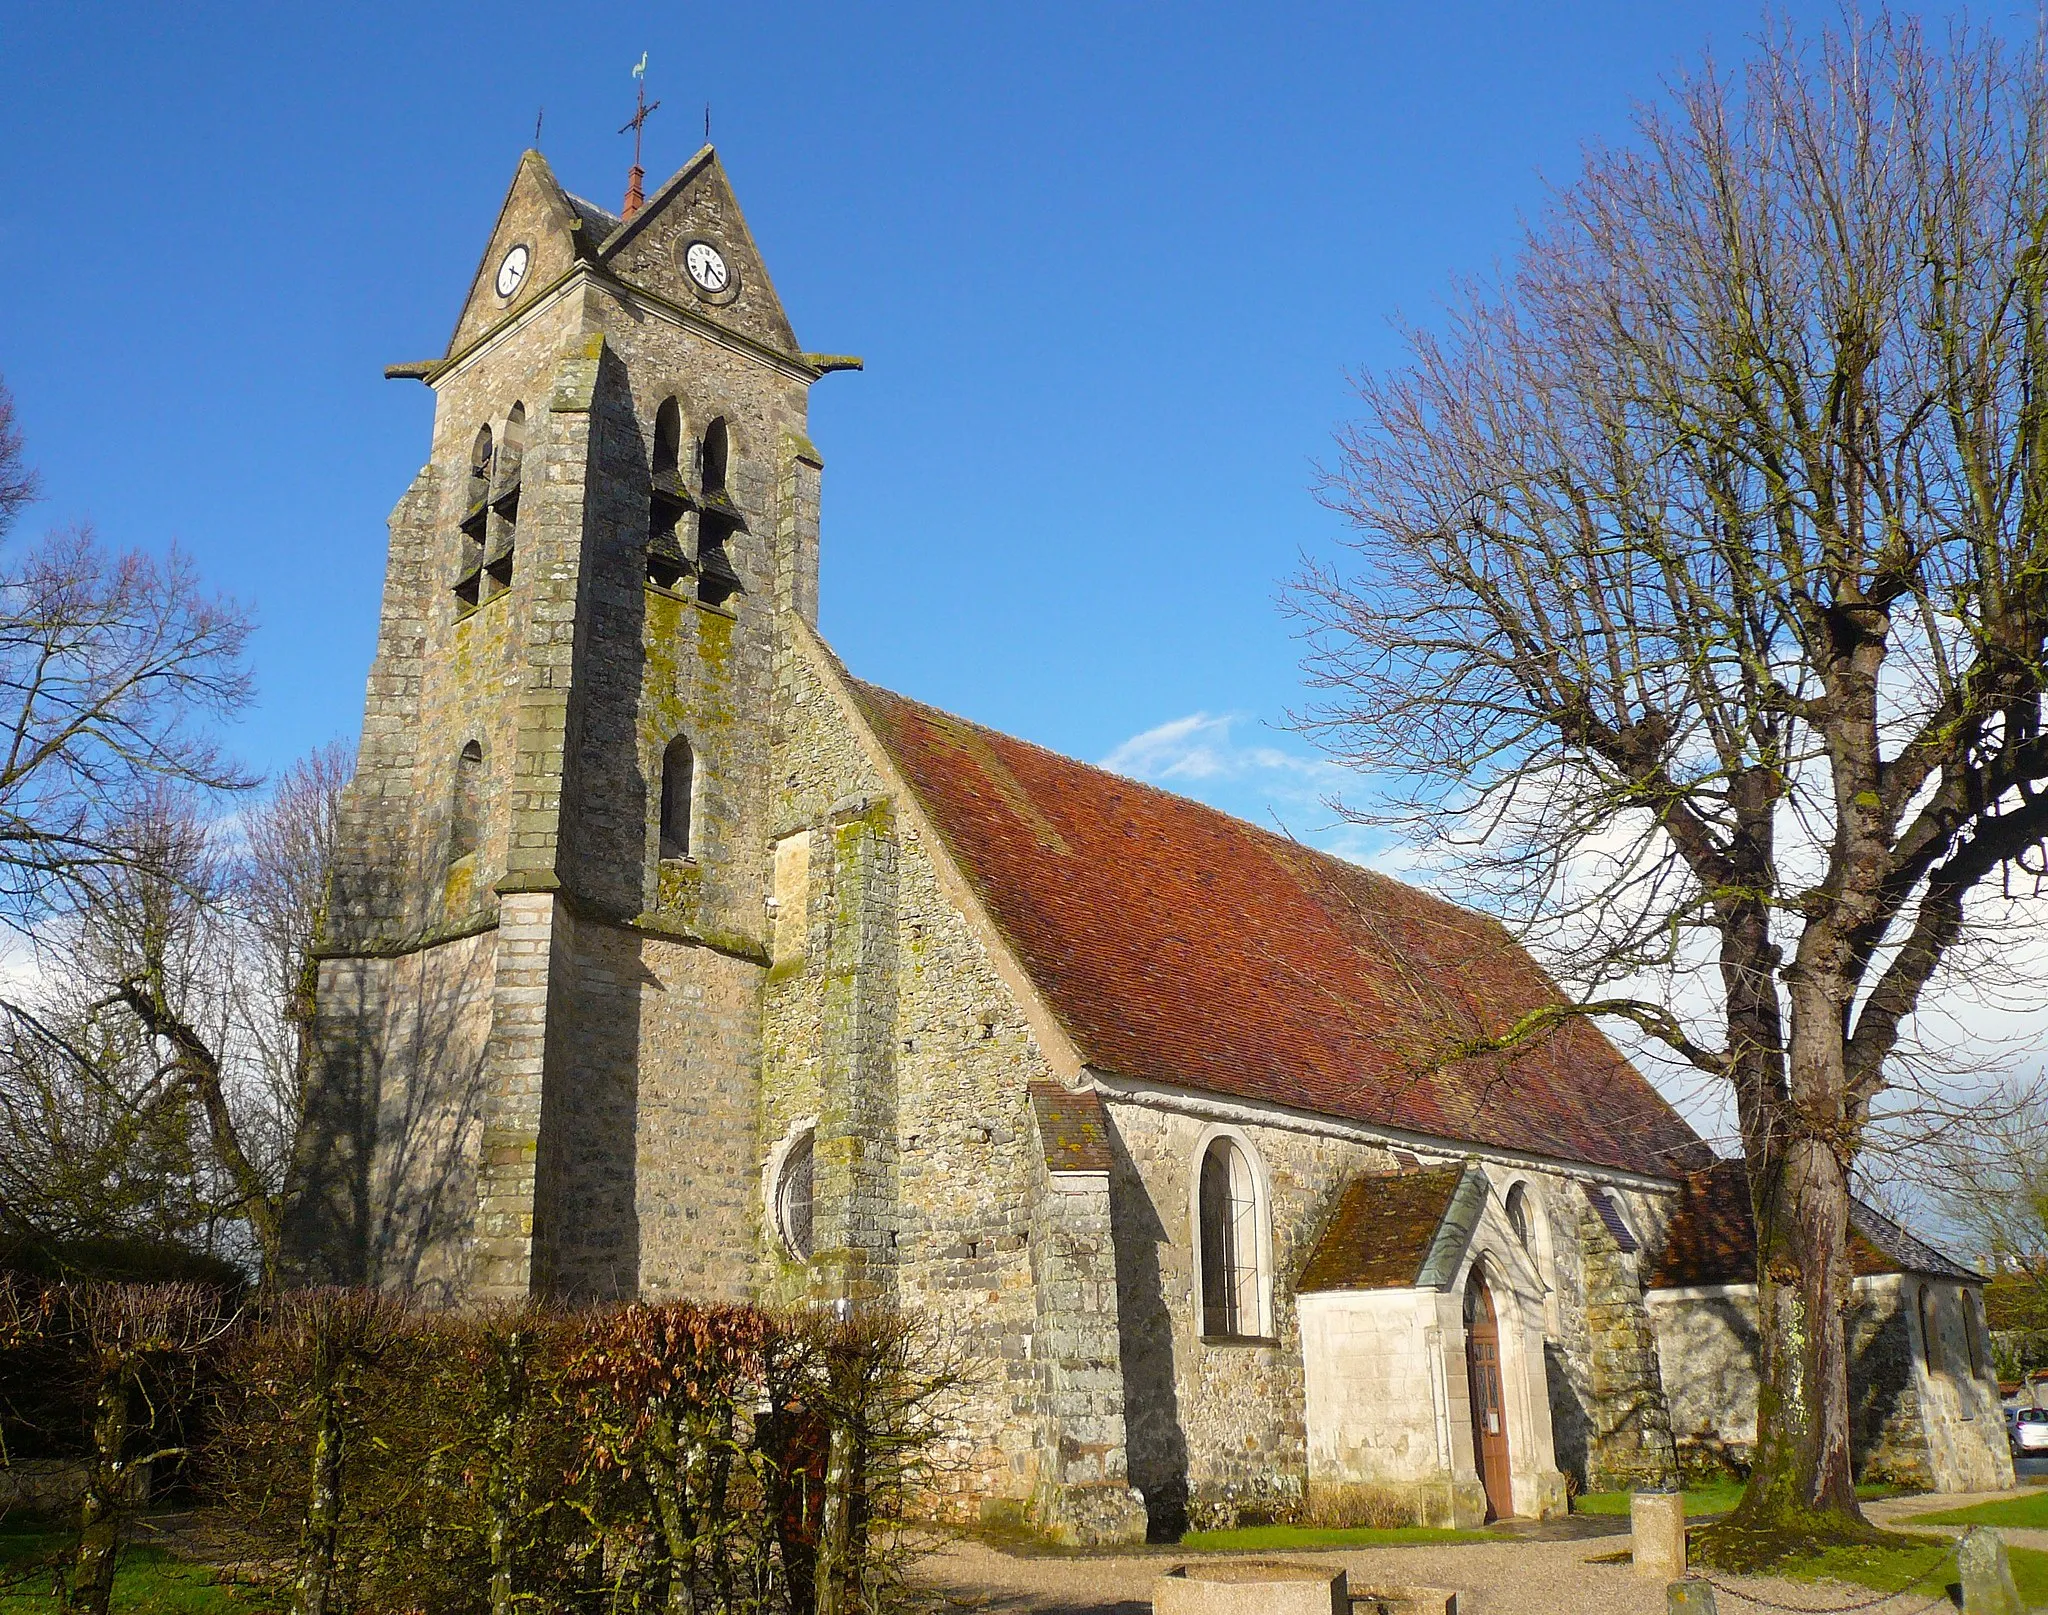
[(158, 937), (281, 901), (172, 992), (112, 669), (1989, 1182), (152, 1070), (17, 482), (1697, 605)]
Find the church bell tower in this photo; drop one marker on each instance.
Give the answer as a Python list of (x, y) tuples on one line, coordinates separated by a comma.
[(536, 1050)]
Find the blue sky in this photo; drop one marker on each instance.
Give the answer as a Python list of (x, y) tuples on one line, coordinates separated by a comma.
[(1109, 266)]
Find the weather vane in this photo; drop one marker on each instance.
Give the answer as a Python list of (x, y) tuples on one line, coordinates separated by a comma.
[(635, 197)]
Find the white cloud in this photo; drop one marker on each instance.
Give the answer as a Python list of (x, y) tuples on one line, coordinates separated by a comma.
[(1201, 755), (1201, 747)]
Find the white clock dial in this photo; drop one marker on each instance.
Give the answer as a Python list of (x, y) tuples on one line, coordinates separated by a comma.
[(512, 271), (706, 265)]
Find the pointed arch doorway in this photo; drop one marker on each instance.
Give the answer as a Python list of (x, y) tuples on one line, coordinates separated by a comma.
[(1489, 1413)]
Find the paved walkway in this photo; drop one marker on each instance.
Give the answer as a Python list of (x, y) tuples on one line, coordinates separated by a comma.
[(1898, 1513)]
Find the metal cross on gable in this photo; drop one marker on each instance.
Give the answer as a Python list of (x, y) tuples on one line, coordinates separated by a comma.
[(636, 123)]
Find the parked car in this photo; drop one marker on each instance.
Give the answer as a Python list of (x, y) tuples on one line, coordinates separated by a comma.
[(2030, 1430)]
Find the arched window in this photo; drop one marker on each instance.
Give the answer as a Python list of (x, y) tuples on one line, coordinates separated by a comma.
[(1227, 1215), (678, 778), (712, 454), (718, 518), (466, 809), (476, 511), (794, 1196), (1972, 1336), (503, 525), (668, 438), (1518, 1216), (667, 500), (1930, 1329), (480, 458)]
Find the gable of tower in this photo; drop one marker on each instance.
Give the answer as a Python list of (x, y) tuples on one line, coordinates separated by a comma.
[(697, 204), (556, 229)]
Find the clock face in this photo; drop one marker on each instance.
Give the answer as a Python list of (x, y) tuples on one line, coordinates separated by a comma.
[(706, 266), (512, 271)]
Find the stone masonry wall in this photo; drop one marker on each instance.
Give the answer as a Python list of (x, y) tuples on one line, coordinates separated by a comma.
[(1628, 1438), (1085, 1495), (394, 1139), (1215, 1428), (1908, 1427), (883, 998)]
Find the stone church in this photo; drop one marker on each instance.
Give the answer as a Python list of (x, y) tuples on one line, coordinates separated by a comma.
[(666, 959)]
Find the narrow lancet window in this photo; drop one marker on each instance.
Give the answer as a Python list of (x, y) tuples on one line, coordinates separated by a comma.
[(717, 519), (502, 525), (466, 811), (667, 501), (476, 510), (1228, 1213), (678, 777), (1930, 1329), (1518, 1215)]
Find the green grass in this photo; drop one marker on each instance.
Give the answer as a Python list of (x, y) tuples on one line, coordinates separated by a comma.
[(1716, 1497), (148, 1582), (1314, 1536), (2029, 1512), (1926, 1569)]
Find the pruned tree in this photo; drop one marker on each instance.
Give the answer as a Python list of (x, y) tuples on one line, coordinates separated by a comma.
[(1695, 608), (136, 1351)]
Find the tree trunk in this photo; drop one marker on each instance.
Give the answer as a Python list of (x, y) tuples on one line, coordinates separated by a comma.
[(101, 1508), (1802, 1483), (199, 1070), (669, 1481), (505, 1493), (323, 1507), (834, 1574)]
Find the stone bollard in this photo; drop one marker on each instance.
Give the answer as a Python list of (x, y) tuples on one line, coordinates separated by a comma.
[(1690, 1597), (1987, 1574), (1657, 1535)]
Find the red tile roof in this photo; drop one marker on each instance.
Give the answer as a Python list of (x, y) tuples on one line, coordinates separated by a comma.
[(1713, 1238), (1178, 945)]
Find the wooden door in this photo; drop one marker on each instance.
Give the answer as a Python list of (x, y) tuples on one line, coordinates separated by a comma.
[(1489, 1414)]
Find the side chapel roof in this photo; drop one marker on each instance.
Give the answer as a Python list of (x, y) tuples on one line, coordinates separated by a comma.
[(1713, 1238), (1396, 1230), (1178, 945)]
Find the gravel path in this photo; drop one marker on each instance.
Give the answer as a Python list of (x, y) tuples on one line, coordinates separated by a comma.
[(1490, 1578)]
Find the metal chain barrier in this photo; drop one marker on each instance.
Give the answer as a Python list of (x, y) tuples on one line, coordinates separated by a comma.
[(1949, 1558)]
